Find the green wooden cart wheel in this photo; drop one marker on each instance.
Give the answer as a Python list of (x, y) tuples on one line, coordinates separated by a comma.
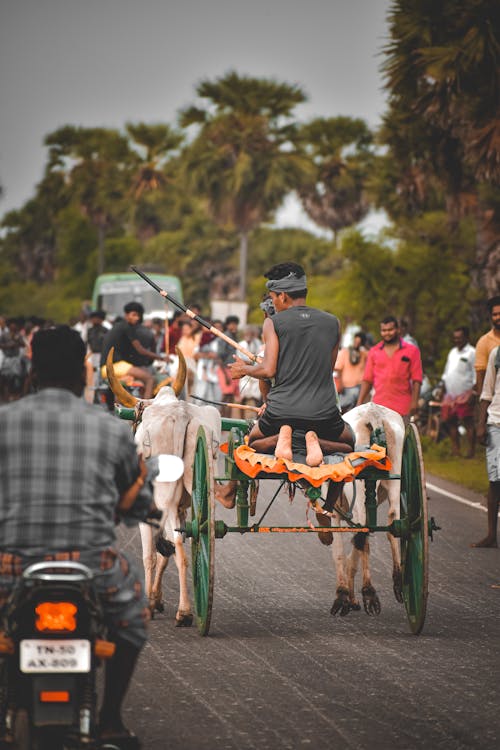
[(415, 539), (203, 539)]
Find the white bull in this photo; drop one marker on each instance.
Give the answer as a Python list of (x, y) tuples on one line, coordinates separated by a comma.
[(363, 420), (171, 426)]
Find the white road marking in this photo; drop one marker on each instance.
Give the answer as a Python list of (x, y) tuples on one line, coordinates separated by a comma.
[(459, 499)]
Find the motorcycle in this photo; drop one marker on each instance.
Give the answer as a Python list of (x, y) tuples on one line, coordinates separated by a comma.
[(52, 640)]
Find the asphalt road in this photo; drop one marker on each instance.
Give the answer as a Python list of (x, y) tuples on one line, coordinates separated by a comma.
[(278, 671)]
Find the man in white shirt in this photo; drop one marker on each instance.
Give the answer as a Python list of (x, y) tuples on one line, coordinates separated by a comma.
[(459, 377), (488, 433)]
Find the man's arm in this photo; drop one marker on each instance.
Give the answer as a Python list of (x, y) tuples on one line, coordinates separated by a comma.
[(134, 488), (486, 393), (364, 392), (129, 496), (338, 367), (415, 393), (145, 352)]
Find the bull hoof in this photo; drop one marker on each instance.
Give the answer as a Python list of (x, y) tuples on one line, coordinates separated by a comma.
[(371, 602), (155, 606), (341, 605), (354, 605), (183, 621), (397, 585)]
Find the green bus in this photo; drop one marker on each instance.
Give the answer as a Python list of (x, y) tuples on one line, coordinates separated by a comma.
[(113, 290)]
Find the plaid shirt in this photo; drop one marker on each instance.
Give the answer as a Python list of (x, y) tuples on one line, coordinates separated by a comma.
[(63, 466)]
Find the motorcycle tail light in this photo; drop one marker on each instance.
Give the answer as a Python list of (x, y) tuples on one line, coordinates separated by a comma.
[(54, 696), (56, 616)]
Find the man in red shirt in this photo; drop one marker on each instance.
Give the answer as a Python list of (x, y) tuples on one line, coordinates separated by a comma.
[(394, 371)]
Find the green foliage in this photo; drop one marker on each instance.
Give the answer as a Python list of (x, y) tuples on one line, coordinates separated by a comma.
[(334, 194), (470, 473), (270, 246)]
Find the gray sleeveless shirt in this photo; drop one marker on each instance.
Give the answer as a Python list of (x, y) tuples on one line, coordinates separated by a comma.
[(304, 386)]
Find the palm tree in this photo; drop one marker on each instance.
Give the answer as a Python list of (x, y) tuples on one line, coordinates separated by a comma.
[(97, 164), (155, 180), (243, 159), (339, 148), (443, 72)]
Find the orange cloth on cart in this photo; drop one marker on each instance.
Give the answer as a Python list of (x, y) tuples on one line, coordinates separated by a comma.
[(252, 464)]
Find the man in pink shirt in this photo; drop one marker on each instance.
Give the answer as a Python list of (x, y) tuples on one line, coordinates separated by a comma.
[(394, 371)]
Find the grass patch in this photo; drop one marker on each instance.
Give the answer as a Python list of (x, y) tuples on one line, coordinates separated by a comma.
[(470, 472)]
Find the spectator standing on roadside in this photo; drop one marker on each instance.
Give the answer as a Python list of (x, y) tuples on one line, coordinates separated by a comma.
[(404, 328), (349, 369), (459, 401), (250, 393), (229, 388), (489, 341), (488, 433), (394, 372), (14, 366), (96, 332), (95, 335), (174, 330)]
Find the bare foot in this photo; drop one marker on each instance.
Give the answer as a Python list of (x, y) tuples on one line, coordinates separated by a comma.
[(314, 454), (226, 493), (486, 542), (284, 444), (325, 537)]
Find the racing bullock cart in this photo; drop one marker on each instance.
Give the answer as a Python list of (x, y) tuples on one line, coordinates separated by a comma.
[(386, 464), (413, 528)]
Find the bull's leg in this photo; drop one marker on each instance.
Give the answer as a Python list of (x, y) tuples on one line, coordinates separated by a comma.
[(394, 514), (156, 599), (341, 603), (352, 569), (148, 559), (371, 602), (184, 615)]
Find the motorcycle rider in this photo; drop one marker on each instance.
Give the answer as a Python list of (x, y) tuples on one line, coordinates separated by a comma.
[(66, 469)]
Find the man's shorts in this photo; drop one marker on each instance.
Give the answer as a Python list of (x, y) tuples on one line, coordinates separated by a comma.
[(118, 582), (493, 453), (121, 369), (326, 429)]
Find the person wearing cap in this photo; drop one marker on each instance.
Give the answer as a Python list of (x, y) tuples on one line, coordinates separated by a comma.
[(66, 470)]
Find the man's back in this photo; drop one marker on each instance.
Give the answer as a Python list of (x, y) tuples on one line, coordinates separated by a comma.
[(304, 384), (62, 464)]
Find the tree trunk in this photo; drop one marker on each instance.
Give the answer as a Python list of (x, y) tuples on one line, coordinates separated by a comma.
[(100, 249), (243, 265)]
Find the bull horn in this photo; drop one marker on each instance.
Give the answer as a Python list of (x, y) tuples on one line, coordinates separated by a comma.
[(180, 378), (122, 395)]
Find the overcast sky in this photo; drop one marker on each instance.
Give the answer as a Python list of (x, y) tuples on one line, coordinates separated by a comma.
[(108, 62)]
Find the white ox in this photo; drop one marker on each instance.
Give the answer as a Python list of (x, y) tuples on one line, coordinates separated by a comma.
[(363, 420), (170, 426)]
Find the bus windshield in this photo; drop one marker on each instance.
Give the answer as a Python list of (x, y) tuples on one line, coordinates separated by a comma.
[(113, 291)]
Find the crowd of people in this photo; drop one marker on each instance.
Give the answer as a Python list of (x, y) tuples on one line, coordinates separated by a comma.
[(389, 371)]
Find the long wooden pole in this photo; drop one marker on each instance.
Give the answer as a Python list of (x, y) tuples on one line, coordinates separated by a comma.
[(241, 407), (191, 314)]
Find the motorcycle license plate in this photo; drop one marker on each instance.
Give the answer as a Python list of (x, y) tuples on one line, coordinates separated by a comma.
[(39, 655)]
